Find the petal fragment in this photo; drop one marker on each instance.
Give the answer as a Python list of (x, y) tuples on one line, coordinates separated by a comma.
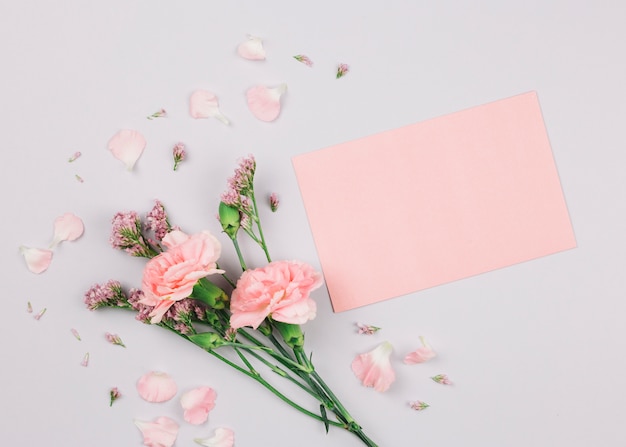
[(252, 49), (264, 102), (197, 403), (156, 386), (204, 104), (127, 146), (224, 437), (67, 227), (160, 433), (374, 368), (420, 355), (37, 259)]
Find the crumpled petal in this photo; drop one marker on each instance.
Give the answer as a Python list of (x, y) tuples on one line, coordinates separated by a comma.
[(127, 146), (224, 437), (420, 355), (37, 259), (252, 49), (264, 102), (204, 104), (160, 433), (156, 386), (67, 227), (197, 403), (374, 368)]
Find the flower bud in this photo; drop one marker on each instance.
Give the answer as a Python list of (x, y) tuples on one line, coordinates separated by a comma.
[(230, 219), (207, 340), (292, 334)]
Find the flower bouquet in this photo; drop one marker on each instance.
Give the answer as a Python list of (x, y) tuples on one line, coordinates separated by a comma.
[(256, 313)]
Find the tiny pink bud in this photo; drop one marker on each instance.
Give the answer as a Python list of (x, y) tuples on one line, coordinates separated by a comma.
[(442, 379), (114, 339), (85, 361), (79, 178), (158, 114), (114, 394), (342, 70), (418, 405), (367, 329), (29, 308), (40, 314), (74, 157), (75, 334), (304, 59), (274, 202)]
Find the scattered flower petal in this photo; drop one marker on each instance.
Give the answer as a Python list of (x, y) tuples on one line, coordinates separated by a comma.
[(160, 433), (75, 334), (374, 368), (420, 355), (252, 49), (197, 403), (127, 146), (158, 114), (418, 405), (29, 308), (74, 157), (224, 437), (156, 386), (85, 361), (274, 202), (304, 59), (204, 104), (114, 339), (37, 259), (40, 314), (442, 379), (79, 178), (264, 102), (367, 329), (114, 394), (67, 227), (179, 154), (342, 70)]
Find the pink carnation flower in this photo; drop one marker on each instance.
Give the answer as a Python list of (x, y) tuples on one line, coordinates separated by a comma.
[(281, 290), (374, 368), (170, 276)]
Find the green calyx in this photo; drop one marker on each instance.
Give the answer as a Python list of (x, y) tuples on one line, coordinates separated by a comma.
[(207, 340), (291, 333), (230, 219), (208, 293)]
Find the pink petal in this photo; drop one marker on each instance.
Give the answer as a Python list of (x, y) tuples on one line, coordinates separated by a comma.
[(224, 437), (252, 49), (160, 433), (374, 368), (156, 387), (264, 102), (67, 227), (197, 403), (127, 146), (204, 104), (420, 355), (37, 259)]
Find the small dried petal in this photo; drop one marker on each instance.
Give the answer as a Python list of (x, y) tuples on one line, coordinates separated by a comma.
[(67, 227), (85, 361), (342, 70), (74, 157), (204, 104), (197, 403), (75, 334), (127, 146), (156, 387), (420, 355), (40, 314), (114, 339), (304, 59), (114, 394), (160, 433), (367, 329), (264, 102), (252, 49), (418, 405), (442, 379), (224, 437), (37, 259)]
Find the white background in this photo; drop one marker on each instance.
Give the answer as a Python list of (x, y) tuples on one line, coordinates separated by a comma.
[(536, 351)]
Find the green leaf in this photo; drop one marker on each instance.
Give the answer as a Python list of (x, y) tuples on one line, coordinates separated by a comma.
[(324, 416)]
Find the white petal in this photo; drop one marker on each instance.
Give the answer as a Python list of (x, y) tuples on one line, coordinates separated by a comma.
[(37, 259), (224, 437), (252, 49)]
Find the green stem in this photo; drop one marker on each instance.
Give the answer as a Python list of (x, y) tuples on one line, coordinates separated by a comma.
[(239, 255), (258, 224)]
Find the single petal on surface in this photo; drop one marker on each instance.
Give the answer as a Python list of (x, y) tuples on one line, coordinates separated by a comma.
[(197, 403), (160, 433), (264, 102), (374, 368), (204, 104), (252, 49), (224, 437), (127, 146), (420, 355), (67, 227), (37, 259), (156, 386)]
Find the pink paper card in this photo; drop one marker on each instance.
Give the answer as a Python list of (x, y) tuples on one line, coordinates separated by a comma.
[(434, 202)]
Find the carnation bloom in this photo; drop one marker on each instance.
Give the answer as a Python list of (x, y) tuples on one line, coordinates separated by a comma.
[(197, 403), (420, 355), (281, 290), (374, 368), (156, 386), (170, 276), (160, 433)]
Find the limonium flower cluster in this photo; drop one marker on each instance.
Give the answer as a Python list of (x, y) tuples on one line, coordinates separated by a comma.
[(255, 312)]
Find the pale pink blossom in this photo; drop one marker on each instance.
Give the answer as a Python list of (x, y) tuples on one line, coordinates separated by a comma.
[(114, 394), (280, 290), (197, 403), (171, 276), (114, 339), (179, 153), (156, 386), (304, 59), (67, 227), (274, 202), (367, 329), (374, 368), (224, 437), (252, 49), (160, 433), (418, 405), (264, 102), (204, 104), (37, 259), (420, 355), (442, 379), (127, 146), (85, 361), (342, 70)]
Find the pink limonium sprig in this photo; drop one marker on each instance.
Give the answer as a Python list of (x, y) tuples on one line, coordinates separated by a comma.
[(109, 294), (418, 405), (126, 235), (158, 114), (304, 59), (442, 379), (179, 154), (157, 221), (114, 394), (342, 70), (367, 329), (274, 202), (114, 339)]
